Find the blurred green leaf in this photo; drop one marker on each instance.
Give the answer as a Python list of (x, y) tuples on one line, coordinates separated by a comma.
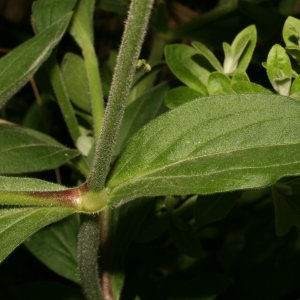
[(180, 95), (37, 51), (47, 12), (116, 6), (287, 207), (295, 88), (291, 32), (203, 50), (152, 228), (242, 87), (17, 224), (47, 291), (212, 208), (24, 151), (279, 70), (288, 7), (81, 27), (76, 81), (56, 247), (184, 237), (213, 144), (189, 66), (202, 287), (219, 84), (240, 75)]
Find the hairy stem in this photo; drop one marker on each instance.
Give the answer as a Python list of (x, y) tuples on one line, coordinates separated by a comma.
[(88, 242), (132, 40)]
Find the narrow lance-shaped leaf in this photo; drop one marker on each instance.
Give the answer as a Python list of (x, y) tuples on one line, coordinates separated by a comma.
[(202, 49), (239, 54), (17, 224), (24, 151), (17, 68), (210, 145), (189, 66)]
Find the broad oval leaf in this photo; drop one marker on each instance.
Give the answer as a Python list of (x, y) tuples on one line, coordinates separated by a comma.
[(219, 83), (213, 144), (23, 151), (75, 77), (17, 68), (279, 70), (17, 224), (56, 247)]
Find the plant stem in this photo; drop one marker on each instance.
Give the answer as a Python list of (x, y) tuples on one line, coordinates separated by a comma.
[(132, 40), (88, 242)]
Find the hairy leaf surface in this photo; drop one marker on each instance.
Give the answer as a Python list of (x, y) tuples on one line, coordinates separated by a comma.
[(56, 247), (17, 68), (214, 144), (24, 151), (17, 224)]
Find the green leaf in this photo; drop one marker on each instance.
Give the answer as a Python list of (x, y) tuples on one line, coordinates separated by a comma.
[(218, 83), (283, 220), (37, 51), (184, 237), (189, 66), (28, 184), (294, 52), (141, 111), (212, 208), (203, 50), (152, 228), (291, 32), (81, 27), (202, 287), (47, 12), (75, 77), (239, 54), (287, 205), (240, 75), (295, 88), (180, 95), (116, 6), (56, 247), (244, 87), (210, 145), (17, 224), (279, 70), (24, 151)]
